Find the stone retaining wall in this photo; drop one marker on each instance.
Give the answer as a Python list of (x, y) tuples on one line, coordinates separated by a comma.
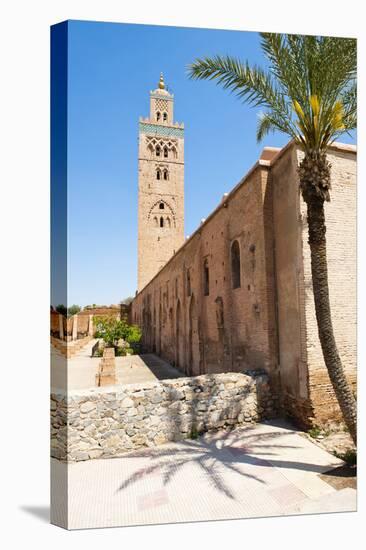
[(107, 422)]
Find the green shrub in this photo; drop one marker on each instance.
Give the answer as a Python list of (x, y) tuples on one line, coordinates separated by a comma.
[(133, 335), (194, 433), (350, 456), (111, 330), (122, 352), (314, 432)]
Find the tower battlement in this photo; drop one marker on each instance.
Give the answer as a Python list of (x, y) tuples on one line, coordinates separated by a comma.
[(147, 120)]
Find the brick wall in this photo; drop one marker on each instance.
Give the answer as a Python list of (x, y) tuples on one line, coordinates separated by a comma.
[(306, 390), (229, 329), (269, 322), (341, 238)]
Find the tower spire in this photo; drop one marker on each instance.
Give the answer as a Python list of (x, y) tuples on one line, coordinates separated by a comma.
[(161, 82)]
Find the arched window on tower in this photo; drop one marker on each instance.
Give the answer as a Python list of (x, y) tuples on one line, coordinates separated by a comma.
[(161, 221), (161, 206), (158, 150), (156, 221), (165, 175), (235, 264), (168, 222), (158, 174), (166, 152), (158, 115), (189, 290), (174, 151), (165, 117), (206, 278)]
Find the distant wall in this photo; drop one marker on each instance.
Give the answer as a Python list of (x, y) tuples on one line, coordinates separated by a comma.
[(83, 323), (110, 422)]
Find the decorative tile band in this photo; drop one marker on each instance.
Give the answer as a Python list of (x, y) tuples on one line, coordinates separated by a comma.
[(158, 130), (162, 96)]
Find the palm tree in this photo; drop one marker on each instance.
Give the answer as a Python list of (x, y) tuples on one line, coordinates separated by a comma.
[(309, 93)]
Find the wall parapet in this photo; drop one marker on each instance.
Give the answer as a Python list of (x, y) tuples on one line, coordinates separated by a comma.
[(108, 422)]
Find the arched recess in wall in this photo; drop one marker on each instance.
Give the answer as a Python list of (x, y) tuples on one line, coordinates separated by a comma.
[(179, 361), (154, 332), (235, 265), (206, 278), (188, 282), (193, 339), (159, 331), (219, 312)]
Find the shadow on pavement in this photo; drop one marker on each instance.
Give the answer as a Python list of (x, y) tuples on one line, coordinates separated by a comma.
[(213, 459)]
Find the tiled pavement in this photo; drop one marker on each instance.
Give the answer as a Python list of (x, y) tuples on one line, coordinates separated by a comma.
[(264, 470)]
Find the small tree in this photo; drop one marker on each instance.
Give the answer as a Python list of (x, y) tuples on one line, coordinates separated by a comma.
[(73, 310), (111, 330), (133, 334), (61, 309), (127, 301)]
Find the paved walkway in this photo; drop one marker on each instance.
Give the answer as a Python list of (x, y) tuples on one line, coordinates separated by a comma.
[(82, 368), (264, 470), (77, 372), (144, 368)]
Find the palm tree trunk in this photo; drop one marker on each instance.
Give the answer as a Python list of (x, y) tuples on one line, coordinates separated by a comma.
[(319, 271)]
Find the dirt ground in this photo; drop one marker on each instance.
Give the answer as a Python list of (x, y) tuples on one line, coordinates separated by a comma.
[(342, 477), (336, 440)]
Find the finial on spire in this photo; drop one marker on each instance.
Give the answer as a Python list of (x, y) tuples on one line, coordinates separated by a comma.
[(161, 82)]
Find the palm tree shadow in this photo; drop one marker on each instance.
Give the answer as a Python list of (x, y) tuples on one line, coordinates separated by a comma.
[(216, 453), (212, 460)]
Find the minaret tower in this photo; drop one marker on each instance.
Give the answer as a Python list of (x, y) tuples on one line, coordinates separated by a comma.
[(161, 186)]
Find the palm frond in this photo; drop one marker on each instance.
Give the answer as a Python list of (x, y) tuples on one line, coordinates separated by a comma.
[(249, 84), (309, 91), (271, 122)]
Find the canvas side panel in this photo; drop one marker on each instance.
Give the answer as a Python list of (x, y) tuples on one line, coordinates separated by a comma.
[(59, 64)]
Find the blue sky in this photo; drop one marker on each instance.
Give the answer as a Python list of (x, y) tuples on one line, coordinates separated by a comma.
[(112, 68)]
